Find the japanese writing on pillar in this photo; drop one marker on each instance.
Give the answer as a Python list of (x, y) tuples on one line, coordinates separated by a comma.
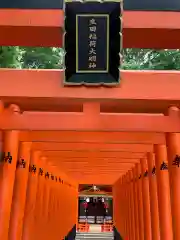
[(92, 44)]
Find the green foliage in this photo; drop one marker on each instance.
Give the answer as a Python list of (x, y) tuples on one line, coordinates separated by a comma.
[(53, 58), (43, 58), (38, 58), (148, 59), (11, 57)]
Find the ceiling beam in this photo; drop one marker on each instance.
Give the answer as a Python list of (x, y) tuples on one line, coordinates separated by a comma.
[(139, 91), (80, 121), (84, 155), (95, 137), (93, 161), (91, 148), (48, 24)]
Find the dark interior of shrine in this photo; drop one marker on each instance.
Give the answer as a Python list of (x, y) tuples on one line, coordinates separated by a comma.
[(95, 204)]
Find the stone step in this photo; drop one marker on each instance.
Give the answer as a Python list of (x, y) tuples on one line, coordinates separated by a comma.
[(95, 233), (94, 236)]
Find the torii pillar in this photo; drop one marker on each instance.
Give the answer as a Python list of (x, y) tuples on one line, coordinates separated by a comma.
[(123, 209), (163, 190), (153, 197), (173, 151), (46, 196), (52, 205), (127, 228), (28, 223), (129, 212), (8, 168), (140, 201), (131, 190), (39, 220), (19, 194), (146, 200), (136, 204)]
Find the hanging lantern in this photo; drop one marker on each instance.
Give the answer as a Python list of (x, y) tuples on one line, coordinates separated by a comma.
[(85, 204), (106, 206)]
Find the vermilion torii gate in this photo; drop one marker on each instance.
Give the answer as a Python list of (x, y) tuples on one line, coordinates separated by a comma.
[(59, 137)]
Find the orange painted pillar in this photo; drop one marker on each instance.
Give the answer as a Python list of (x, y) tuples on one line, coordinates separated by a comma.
[(129, 206), (8, 168), (173, 152), (136, 204), (55, 208), (47, 233), (131, 186), (7, 173), (50, 204), (123, 209), (51, 207), (140, 201), (39, 207), (153, 197), (146, 200), (1, 147), (19, 195), (46, 202), (59, 195), (126, 207), (55, 218), (117, 206), (64, 202), (163, 190), (28, 224)]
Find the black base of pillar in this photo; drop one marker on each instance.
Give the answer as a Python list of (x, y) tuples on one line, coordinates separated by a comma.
[(72, 234), (117, 235)]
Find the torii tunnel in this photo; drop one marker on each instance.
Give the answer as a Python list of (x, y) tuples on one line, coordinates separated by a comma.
[(55, 138)]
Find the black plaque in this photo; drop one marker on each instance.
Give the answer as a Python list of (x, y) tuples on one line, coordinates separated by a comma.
[(92, 46), (92, 42)]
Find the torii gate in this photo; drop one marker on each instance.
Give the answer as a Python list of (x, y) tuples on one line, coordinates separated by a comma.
[(92, 127)]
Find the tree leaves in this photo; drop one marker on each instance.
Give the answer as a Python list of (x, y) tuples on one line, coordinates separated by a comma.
[(53, 58), (148, 59)]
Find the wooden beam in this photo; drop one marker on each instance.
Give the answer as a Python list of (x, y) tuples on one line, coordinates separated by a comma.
[(140, 26), (45, 28), (84, 136), (97, 167), (104, 179), (43, 90), (89, 165), (97, 164), (80, 122), (90, 148), (104, 176), (98, 171), (30, 28), (106, 155), (97, 154)]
